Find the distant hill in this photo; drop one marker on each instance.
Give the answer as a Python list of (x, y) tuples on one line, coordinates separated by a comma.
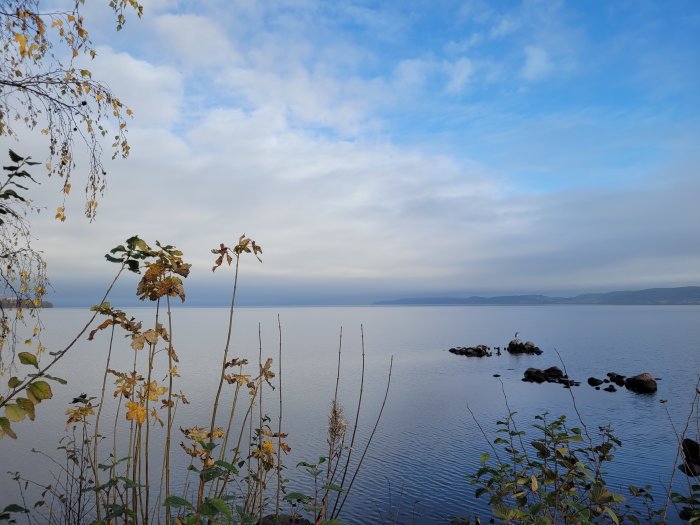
[(11, 302), (687, 295)]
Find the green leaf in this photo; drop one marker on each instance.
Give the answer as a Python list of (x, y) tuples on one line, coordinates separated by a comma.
[(210, 474), (484, 457), (41, 390), (112, 259), (26, 405), (27, 358), (13, 507), (133, 266), (221, 507), (228, 466), (207, 445), (208, 509), (177, 501), (15, 158), (296, 496), (57, 379), (6, 428), (613, 516), (14, 382), (15, 412)]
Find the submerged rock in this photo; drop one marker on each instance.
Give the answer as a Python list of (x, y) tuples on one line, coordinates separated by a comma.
[(516, 346), (472, 351), (618, 379), (553, 374), (594, 381), (534, 375), (641, 384)]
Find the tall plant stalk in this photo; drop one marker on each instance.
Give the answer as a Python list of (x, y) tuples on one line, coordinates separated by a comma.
[(334, 512), (96, 434)]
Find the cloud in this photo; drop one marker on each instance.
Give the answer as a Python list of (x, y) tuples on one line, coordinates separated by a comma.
[(155, 93), (197, 40), (366, 162), (459, 74), (537, 64)]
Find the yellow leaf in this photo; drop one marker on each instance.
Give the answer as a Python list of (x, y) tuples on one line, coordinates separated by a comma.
[(135, 412), (44, 131), (15, 413), (21, 39), (129, 112), (533, 483)]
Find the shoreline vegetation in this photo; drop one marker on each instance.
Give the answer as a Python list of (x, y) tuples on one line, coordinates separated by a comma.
[(685, 295), (13, 302)]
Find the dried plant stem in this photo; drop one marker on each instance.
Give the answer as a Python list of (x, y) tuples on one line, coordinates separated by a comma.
[(238, 444), (279, 423), (146, 451), (166, 453), (227, 346), (334, 514), (369, 441), (96, 434), (332, 437), (261, 481)]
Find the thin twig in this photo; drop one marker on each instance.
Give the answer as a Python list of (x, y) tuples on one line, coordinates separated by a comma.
[(376, 424)]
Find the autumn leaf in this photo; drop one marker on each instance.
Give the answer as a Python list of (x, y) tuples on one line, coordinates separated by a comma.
[(135, 412)]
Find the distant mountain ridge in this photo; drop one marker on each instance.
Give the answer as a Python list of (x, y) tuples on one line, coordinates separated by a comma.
[(685, 295)]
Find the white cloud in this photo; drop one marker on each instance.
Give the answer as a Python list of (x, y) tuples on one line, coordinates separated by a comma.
[(459, 74), (197, 40), (154, 93), (537, 64), (271, 124)]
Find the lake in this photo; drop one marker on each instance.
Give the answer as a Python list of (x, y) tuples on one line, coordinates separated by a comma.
[(427, 441)]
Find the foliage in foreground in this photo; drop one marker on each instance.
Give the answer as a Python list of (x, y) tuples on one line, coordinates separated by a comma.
[(558, 476), (235, 470)]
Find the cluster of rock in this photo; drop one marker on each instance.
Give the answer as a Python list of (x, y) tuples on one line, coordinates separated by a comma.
[(553, 374), (516, 346), (472, 351), (641, 383)]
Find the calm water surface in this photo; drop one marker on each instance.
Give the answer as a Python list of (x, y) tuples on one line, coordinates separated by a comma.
[(427, 441)]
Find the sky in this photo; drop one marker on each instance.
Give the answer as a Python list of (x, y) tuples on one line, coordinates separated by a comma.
[(380, 150)]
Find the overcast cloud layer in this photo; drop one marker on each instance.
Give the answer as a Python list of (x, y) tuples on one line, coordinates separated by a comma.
[(387, 149)]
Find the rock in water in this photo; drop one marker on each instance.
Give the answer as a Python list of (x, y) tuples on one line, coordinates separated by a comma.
[(594, 381), (516, 346), (534, 375), (691, 456), (641, 384), (554, 373), (472, 351)]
